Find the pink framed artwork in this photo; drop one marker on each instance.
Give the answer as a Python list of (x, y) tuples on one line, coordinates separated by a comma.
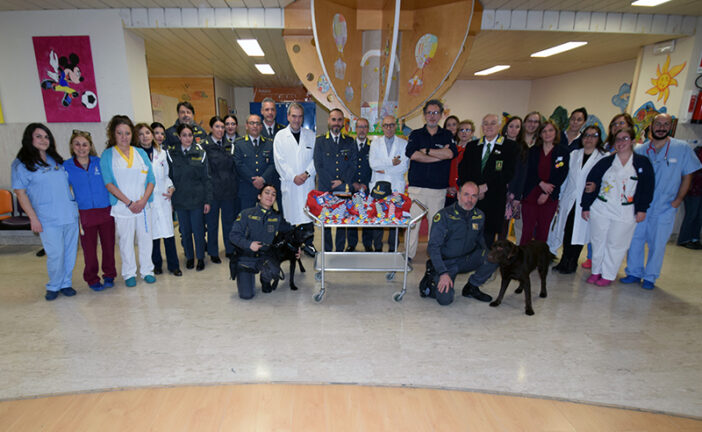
[(67, 78)]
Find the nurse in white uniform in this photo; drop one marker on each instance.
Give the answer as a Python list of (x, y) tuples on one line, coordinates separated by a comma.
[(129, 176), (618, 194)]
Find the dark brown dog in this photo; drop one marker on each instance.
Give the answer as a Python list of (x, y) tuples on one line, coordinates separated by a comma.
[(517, 263)]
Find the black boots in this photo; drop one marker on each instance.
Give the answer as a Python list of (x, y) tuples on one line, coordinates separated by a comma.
[(473, 291)]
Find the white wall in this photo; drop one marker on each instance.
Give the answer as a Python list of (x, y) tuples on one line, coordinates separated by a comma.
[(472, 99), (590, 88), (115, 74), (138, 77)]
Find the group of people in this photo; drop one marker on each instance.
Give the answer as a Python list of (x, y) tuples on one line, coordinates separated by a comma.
[(566, 188)]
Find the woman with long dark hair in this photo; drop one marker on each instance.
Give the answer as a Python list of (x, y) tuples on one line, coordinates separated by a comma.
[(514, 130), (162, 211), (129, 176), (41, 185), (567, 228)]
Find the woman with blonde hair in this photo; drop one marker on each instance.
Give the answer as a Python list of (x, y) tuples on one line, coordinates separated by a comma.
[(85, 178)]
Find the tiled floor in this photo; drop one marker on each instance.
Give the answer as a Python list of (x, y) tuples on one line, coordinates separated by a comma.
[(620, 345)]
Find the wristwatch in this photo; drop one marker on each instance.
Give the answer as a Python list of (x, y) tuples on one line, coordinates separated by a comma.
[(427, 151)]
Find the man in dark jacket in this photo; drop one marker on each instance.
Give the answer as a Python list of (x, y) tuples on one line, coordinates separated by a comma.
[(186, 115), (363, 176), (253, 156), (335, 157), (457, 245), (490, 162)]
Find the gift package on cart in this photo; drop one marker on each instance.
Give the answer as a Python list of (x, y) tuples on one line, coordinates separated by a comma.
[(360, 208)]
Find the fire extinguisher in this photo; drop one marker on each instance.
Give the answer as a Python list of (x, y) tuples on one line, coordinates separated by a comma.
[(697, 113)]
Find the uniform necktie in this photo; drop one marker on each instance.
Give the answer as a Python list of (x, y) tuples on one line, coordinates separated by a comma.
[(485, 157), (219, 143), (336, 140), (255, 143), (270, 131)]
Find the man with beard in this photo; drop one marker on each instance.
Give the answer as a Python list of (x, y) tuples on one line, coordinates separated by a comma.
[(430, 150), (335, 159), (293, 152), (186, 115), (673, 162), (489, 162)]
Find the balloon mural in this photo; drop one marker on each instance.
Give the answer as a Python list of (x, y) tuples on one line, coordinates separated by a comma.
[(340, 36), (424, 51)]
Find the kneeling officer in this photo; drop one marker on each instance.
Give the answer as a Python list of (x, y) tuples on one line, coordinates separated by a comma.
[(253, 232), (457, 245)]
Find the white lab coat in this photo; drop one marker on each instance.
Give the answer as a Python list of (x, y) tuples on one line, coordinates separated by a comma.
[(570, 196), (162, 212), (290, 160), (380, 159)]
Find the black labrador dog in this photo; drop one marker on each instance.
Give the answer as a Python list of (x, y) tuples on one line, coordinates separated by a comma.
[(285, 247), (517, 263)]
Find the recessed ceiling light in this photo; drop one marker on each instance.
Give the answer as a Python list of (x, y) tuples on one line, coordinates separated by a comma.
[(265, 69), (558, 49), (492, 70), (250, 47), (648, 3)]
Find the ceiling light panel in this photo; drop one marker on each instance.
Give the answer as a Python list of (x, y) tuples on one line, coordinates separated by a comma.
[(250, 47), (559, 49), (265, 69), (492, 70)]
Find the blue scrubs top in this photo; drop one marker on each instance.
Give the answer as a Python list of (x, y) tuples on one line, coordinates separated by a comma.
[(48, 191), (673, 161)]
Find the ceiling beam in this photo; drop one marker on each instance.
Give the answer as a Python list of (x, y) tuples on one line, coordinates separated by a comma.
[(583, 21)]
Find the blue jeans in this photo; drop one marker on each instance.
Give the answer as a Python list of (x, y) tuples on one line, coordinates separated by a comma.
[(192, 225)]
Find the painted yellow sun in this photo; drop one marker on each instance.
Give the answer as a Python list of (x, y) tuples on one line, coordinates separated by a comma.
[(665, 79)]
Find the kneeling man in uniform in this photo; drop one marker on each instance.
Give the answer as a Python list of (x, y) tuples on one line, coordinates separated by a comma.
[(457, 245)]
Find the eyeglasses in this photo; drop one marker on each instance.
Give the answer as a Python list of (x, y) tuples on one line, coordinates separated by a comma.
[(592, 135), (253, 123), (389, 125), (78, 131), (432, 112), (465, 130), (623, 139)]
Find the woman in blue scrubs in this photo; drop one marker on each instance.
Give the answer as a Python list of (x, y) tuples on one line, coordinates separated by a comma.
[(41, 185)]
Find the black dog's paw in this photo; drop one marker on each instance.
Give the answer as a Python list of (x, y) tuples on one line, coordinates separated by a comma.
[(543, 295), (530, 312), (519, 290), (495, 303)]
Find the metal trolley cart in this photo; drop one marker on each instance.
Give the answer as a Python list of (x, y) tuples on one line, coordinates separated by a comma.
[(390, 262)]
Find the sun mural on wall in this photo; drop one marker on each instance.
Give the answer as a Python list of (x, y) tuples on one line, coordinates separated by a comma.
[(664, 79)]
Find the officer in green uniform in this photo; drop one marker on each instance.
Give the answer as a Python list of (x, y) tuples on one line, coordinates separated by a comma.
[(457, 245), (253, 232)]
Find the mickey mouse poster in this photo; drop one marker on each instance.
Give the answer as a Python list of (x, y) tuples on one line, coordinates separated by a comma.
[(67, 78)]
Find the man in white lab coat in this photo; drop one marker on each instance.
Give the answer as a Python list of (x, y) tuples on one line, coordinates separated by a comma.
[(293, 152), (389, 163)]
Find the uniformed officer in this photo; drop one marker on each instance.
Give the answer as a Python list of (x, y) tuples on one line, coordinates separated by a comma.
[(335, 159), (193, 194), (268, 113), (224, 178), (252, 232), (457, 245), (253, 156), (186, 115), (361, 182)]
